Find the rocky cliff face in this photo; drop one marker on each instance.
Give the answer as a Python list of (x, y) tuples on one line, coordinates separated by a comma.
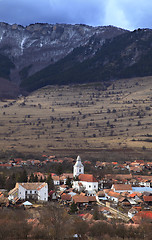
[(34, 47)]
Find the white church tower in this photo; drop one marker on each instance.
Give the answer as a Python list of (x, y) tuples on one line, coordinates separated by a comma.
[(78, 168)]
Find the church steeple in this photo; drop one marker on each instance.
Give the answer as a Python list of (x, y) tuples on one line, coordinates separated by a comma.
[(78, 167)]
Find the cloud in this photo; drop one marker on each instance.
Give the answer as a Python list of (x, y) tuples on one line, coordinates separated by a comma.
[(128, 14), (79, 11), (52, 11)]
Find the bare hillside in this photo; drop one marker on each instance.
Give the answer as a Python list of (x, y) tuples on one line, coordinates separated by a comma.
[(79, 117)]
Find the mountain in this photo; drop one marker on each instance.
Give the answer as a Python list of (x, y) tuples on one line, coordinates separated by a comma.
[(124, 56), (41, 54), (36, 46)]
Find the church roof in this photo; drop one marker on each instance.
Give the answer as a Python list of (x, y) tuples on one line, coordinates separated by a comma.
[(78, 162), (87, 178)]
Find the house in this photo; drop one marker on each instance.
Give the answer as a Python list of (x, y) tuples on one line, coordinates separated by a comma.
[(88, 217), (112, 196), (132, 212), (143, 217), (148, 199), (28, 191), (66, 198), (80, 200), (120, 188), (52, 194), (124, 202), (56, 180), (86, 182)]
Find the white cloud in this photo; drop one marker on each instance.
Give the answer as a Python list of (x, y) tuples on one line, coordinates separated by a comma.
[(115, 15)]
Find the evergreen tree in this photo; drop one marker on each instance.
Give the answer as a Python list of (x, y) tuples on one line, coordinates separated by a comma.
[(10, 182), (22, 176), (2, 181), (41, 179), (59, 170), (50, 183), (68, 182), (31, 178), (73, 208), (36, 178)]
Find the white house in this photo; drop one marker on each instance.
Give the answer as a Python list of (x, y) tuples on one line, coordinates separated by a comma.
[(120, 188), (85, 182), (35, 191), (56, 180), (132, 212), (112, 196)]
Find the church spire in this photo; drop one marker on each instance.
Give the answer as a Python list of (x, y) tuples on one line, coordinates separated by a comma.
[(78, 167)]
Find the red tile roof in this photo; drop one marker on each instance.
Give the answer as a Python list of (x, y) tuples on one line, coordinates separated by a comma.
[(87, 178), (147, 198), (123, 187), (80, 199), (114, 194), (142, 216), (66, 197)]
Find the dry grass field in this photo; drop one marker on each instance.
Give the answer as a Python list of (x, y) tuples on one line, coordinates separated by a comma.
[(79, 117)]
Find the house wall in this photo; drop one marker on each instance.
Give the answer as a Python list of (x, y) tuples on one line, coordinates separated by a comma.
[(114, 199), (90, 186), (76, 185), (56, 182), (21, 192), (43, 194)]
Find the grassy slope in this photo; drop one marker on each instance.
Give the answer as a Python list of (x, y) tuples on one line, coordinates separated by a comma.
[(79, 117)]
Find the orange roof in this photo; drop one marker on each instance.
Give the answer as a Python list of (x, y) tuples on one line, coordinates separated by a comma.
[(132, 195), (114, 194), (122, 187), (88, 217), (80, 199), (147, 198), (87, 178), (142, 216), (92, 198), (55, 178), (114, 163), (87, 162), (66, 197), (65, 175)]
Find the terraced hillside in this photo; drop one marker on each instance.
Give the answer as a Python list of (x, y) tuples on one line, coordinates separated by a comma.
[(79, 117)]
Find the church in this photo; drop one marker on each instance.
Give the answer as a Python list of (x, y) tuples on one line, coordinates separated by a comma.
[(84, 182)]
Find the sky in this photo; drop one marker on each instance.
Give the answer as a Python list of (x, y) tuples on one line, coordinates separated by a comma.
[(127, 14)]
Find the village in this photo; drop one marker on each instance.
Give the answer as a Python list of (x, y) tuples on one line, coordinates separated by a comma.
[(114, 191)]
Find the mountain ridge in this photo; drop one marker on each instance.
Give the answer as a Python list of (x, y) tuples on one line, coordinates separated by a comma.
[(43, 54)]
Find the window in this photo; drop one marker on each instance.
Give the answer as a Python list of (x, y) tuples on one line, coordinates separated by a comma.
[(35, 191), (25, 192), (30, 192), (89, 186), (79, 170), (94, 186)]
